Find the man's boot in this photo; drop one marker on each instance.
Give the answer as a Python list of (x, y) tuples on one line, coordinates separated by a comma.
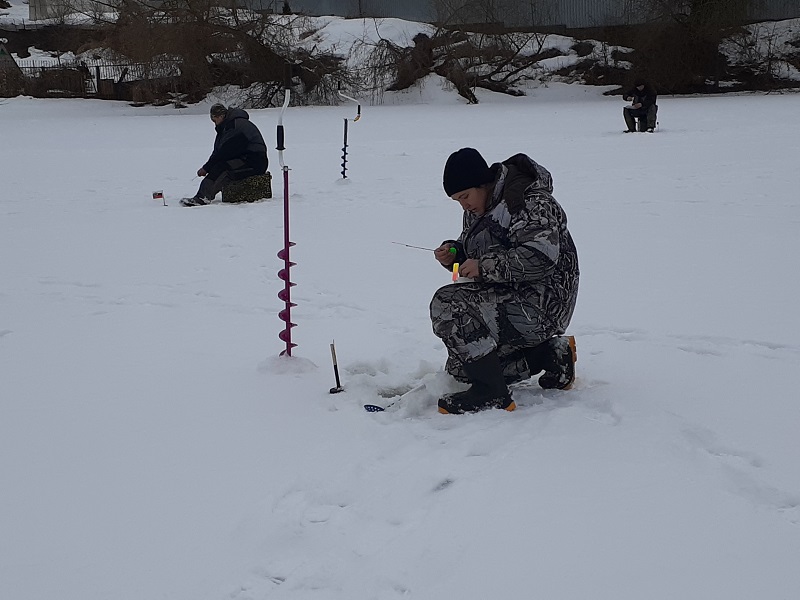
[(488, 389), (194, 201), (556, 357)]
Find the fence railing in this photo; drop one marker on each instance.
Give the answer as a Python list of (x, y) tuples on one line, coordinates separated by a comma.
[(20, 25), (137, 82)]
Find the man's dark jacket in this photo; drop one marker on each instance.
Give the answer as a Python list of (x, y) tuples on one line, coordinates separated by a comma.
[(647, 97), (238, 137)]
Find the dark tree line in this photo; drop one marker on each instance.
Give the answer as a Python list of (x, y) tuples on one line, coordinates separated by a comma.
[(677, 48)]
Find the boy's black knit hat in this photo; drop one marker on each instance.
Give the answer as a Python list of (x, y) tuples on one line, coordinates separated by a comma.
[(465, 169)]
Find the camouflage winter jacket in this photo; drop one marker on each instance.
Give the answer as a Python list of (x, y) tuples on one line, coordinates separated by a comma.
[(522, 241)]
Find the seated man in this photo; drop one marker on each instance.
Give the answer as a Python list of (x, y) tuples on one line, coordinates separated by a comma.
[(239, 152), (643, 107)]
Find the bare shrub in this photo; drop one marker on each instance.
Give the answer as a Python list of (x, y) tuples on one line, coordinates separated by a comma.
[(495, 61), (226, 46), (12, 82)]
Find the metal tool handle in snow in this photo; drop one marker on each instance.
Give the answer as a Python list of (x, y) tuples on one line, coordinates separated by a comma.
[(285, 294), (287, 94), (338, 388), (358, 112)]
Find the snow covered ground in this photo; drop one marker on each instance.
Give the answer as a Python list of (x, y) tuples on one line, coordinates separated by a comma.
[(153, 445), (17, 13)]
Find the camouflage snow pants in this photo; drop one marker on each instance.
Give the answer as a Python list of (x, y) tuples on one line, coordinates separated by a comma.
[(473, 319)]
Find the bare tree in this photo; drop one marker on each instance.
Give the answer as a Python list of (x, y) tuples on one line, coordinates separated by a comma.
[(224, 45), (761, 53), (471, 48), (679, 47)]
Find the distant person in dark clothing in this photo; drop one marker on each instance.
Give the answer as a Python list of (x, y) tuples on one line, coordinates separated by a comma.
[(287, 10), (239, 153), (642, 108)]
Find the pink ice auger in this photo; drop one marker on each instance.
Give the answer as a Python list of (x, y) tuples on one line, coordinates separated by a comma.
[(285, 294)]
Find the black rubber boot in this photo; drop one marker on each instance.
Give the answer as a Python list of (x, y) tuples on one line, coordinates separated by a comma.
[(556, 357), (194, 201), (488, 389)]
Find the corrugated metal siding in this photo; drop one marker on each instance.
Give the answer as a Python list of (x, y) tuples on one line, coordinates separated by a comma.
[(571, 14), (515, 13), (37, 10), (568, 13), (774, 9), (411, 10), (49, 9), (594, 13), (340, 8)]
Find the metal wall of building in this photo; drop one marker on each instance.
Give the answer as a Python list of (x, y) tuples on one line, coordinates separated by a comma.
[(593, 13), (764, 10), (567, 13), (40, 9), (412, 10), (55, 9), (515, 13), (340, 8)]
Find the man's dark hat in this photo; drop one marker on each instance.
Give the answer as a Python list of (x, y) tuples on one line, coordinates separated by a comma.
[(465, 169)]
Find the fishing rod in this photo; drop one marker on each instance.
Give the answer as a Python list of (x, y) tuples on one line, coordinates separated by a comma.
[(451, 251)]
